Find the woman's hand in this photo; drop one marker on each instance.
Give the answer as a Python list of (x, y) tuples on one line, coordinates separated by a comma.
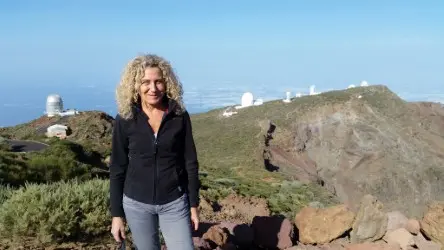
[(118, 229), (195, 217)]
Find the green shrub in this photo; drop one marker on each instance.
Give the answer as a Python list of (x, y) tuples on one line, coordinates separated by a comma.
[(13, 170), (4, 146), (63, 160), (58, 211), (5, 193), (292, 196)]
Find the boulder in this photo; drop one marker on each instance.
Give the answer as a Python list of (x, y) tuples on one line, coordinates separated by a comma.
[(273, 232), (396, 220), (400, 236), (423, 244), (243, 234), (216, 235), (432, 224), (413, 226), (370, 223), (322, 225)]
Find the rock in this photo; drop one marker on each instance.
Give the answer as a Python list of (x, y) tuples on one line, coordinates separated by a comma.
[(322, 225), (396, 220), (413, 226), (272, 232), (243, 234), (424, 244), (201, 244), (372, 246), (432, 225), (400, 236), (217, 235), (370, 223)]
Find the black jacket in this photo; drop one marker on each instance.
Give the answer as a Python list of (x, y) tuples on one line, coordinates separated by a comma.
[(149, 169)]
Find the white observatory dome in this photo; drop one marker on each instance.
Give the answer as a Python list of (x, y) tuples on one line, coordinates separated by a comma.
[(247, 99), (54, 105)]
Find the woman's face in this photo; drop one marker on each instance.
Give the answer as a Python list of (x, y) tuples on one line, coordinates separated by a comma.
[(153, 86)]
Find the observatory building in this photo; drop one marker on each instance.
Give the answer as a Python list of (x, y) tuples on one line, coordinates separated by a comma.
[(54, 105), (247, 99)]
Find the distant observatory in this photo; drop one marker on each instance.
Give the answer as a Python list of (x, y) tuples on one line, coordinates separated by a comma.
[(287, 97), (312, 90), (54, 105), (247, 100)]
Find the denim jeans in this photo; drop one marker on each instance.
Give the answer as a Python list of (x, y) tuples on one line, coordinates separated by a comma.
[(173, 218)]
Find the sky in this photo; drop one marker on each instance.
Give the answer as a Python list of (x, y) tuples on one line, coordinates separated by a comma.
[(220, 47)]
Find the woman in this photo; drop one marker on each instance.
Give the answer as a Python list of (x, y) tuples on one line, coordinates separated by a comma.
[(154, 169)]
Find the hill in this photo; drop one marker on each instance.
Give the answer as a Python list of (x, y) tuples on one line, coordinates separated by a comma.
[(358, 141), (91, 129)]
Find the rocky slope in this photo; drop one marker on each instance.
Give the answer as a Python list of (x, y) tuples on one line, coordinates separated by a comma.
[(370, 142), (331, 228)]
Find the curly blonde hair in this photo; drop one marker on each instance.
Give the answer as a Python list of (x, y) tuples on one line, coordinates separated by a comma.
[(127, 92)]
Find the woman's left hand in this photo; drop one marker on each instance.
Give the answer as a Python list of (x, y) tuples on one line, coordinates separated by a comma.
[(195, 217)]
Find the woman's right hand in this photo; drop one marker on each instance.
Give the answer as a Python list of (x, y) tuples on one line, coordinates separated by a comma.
[(118, 229)]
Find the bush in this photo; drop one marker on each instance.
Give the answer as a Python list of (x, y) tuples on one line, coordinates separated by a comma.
[(63, 160), (4, 146), (292, 196), (5, 193), (58, 211), (13, 169)]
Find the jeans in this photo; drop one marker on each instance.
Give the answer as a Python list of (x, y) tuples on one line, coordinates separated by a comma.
[(173, 218)]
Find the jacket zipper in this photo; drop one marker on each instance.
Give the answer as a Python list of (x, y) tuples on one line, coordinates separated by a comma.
[(156, 176), (156, 168)]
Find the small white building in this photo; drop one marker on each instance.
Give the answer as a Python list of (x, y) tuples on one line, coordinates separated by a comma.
[(258, 102), (57, 130), (69, 112)]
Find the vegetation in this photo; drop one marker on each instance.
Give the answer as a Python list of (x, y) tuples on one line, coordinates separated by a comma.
[(63, 160), (4, 146), (58, 211)]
